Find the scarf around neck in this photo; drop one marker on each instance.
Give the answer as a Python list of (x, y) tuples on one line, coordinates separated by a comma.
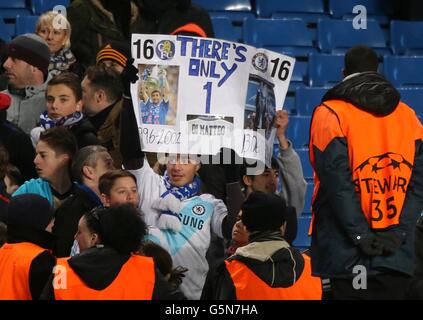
[(61, 61), (182, 193), (67, 121)]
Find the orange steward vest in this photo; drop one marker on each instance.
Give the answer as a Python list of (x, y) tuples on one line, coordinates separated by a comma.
[(135, 281), (381, 154), (249, 286), (15, 261)]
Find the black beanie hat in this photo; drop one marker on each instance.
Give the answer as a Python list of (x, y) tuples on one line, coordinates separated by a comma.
[(29, 210), (263, 211), (32, 49)]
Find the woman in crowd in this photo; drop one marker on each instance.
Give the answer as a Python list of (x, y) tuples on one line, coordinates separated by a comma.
[(108, 269), (55, 29)]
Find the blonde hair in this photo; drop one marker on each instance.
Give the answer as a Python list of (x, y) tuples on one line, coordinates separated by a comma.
[(47, 19)]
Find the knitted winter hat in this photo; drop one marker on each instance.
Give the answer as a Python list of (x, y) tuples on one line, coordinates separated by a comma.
[(263, 211), (116, 51), (32, 49), (29, 210)]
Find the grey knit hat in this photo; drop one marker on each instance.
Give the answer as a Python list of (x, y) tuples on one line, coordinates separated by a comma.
[(32, 49)]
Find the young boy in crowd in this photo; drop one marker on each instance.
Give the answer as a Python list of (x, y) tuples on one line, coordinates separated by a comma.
[(64, 108), (54, 153)]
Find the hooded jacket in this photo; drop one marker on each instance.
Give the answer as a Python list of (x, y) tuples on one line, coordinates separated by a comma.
[(367, 153), (98, 268), (266, 270)]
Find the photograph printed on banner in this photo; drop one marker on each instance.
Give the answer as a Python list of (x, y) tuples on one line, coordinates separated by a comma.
[(158, 94), (260, 105)]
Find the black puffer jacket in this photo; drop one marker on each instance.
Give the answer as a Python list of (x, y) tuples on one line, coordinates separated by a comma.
[(368, 91), (85, 133)]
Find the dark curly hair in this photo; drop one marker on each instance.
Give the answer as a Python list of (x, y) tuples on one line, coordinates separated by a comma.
[(121, 228)]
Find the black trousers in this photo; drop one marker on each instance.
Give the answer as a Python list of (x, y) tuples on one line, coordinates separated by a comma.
[(379, 287)]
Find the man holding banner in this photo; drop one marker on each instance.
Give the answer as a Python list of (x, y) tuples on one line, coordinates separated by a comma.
[(209, 91)]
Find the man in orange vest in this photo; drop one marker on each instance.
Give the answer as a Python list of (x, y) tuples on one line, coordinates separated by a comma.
[(267, 268), (110, 270), (25, 259), (367, 153)]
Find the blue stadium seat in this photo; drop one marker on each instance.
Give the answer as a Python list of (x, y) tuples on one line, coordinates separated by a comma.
[(289, 105), (237, 17), (296, 52), (265, 8), (404, 71), (310, 11), (298, 131), (11, 14), (12, 4), (224, 5), (308, 198), (339, 9), (294, 85), (298, 75), (4, 32), (303, 240), (25, 24), (337, 36), (41, 6), (291, 33), (224, 29), (300, 71), (413, 97), (407, 37), (309, 18), (325, 69), (11, 29), (305, 163), (307, 99)]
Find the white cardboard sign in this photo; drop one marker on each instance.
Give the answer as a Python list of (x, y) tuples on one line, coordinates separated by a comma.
[(196, 95)]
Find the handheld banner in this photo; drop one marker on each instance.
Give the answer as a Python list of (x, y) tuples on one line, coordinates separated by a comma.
[(197, 95)]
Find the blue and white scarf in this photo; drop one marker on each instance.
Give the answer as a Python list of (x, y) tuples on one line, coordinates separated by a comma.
[(67, 121), (46, 123), (169, 204), (182, 193)]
